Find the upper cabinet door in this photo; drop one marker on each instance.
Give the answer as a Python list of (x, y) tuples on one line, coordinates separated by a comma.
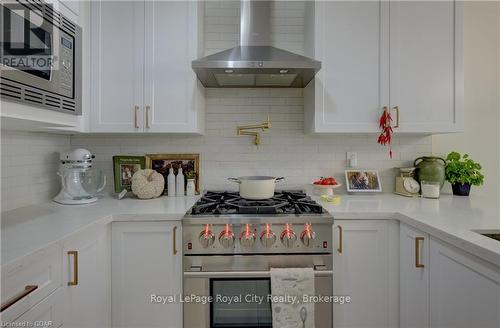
[(351, 41), (426, 72), (117, 29), (172, 94)]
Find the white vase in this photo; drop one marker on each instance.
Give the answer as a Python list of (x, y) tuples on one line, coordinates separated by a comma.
[(171, 182), (190, 187), (179, 181)]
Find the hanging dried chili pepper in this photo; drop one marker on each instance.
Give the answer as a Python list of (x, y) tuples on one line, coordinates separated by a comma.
[(385, 124)]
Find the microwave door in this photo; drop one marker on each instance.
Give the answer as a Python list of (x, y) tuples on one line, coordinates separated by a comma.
[(28, 47), (40, 57)]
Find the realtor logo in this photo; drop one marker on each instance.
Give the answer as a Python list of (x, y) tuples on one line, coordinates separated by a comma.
[(27, 40)]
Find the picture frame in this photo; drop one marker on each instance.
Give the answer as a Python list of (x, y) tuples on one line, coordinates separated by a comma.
[(161, 163), (124, 167), (362, 181)]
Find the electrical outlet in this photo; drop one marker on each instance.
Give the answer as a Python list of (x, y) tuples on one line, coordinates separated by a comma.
[(352, 158)]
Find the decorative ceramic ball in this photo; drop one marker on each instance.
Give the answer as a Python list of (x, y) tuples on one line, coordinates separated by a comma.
[(147, 184)]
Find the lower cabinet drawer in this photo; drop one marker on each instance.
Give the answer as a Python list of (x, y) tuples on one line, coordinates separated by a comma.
[(29, 280), (47, 313)]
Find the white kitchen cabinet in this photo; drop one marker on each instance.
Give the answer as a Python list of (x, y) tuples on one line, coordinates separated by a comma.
[(146, 261), (87, 278), (47, 313), (173, 94), (142, 79), (352, 43), (406, 55), (464, 290), (366, 269), (414, 278), (117, 39), (426, 65), (30, 280)]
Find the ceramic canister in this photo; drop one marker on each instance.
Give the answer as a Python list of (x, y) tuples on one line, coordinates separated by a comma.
[(430, 168)]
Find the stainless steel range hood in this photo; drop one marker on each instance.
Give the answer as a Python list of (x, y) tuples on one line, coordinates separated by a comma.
[(255, 63)]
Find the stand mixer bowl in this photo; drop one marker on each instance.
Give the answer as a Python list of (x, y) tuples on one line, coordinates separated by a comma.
[(81, 184)]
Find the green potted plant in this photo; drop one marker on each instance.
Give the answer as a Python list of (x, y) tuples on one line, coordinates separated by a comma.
[(462, 172)]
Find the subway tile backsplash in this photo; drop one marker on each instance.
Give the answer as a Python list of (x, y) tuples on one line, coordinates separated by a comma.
[(29, 165), (285, 149)]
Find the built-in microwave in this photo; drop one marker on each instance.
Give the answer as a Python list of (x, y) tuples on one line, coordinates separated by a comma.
[(41, 57)]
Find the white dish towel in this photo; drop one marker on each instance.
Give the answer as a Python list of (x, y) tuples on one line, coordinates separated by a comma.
[(290, 285)]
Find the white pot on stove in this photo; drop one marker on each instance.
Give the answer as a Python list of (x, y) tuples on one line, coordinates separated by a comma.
[(257, 187)]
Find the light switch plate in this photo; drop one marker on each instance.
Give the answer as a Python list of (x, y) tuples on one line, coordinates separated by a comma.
[(352, 158)]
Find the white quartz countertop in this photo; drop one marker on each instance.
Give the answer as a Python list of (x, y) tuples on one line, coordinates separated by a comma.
[(450, 218), (31, 228)]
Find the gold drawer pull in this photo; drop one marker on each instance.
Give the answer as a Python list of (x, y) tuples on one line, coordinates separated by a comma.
[(136, 122), (396, 108), (16, 298), (74, 282), (148, 110), (417, 252), (174, 248), (341, 232)]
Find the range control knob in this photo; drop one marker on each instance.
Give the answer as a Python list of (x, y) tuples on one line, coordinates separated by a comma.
[(206, 237), (267, 237), (307, 236), (226, 237), (247, 237), (288, 237)]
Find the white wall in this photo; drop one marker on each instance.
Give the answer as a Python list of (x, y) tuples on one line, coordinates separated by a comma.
[(481, 139), (29, 163)]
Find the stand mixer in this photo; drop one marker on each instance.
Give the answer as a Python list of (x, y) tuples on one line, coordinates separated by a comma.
[(80, 182)]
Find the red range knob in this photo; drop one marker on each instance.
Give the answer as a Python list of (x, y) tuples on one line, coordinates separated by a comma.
[(267, 237), (308, 235), (288, 237), (226, 237), (247, 237), (206, 237)]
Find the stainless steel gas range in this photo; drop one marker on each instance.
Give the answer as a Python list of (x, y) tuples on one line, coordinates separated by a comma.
[(231, 243)]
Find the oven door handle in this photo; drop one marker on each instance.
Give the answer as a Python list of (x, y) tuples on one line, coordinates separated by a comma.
[(243, 274)]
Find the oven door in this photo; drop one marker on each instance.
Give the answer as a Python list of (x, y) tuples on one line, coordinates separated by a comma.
[(231, 307)]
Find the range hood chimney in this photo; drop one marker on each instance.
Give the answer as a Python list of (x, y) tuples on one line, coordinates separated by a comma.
[(255, 63)]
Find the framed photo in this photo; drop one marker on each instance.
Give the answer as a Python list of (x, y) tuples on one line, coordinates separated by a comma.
[(363, 181), (124, 168), (162, 163)]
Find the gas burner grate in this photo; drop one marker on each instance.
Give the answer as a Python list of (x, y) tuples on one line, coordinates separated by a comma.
[(283, 202)]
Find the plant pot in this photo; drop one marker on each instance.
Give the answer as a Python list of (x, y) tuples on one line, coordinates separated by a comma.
[(461, 189), (190, 187)]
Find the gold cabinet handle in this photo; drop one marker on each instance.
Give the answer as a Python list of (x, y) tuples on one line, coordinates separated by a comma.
[(417, 252), (174, 241), (341, 232), (396, 108), (136, 122), (16, 298), (74, 282), (148, 110)]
